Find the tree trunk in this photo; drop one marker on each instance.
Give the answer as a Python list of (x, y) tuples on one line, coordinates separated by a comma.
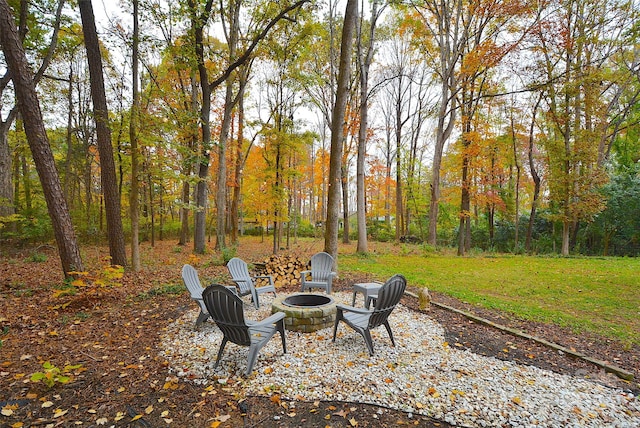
[(365, 62), (38, 142), (345, 205), (152, 210), (337, 129), (221, 189), (443, 131), (234, 209), (399, 125), (465, 204), (534, 176), (187, 165), (184, 213), (6, 185), (133, 138), (26, 178), (69, 137), (566, 229), (517, 186), (107, 164), (197, 26)]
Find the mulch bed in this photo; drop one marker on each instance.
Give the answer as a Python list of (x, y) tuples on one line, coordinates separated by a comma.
[(124, 382)]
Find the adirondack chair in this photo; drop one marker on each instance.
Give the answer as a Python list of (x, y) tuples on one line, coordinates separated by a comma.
[(192, 282), (227, 311), (321, 273), (363, 320), (246, 283)]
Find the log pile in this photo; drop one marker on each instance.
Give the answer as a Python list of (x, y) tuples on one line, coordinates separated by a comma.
[(284, 268)]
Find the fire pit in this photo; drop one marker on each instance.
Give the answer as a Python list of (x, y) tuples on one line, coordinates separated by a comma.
[(306, 312)]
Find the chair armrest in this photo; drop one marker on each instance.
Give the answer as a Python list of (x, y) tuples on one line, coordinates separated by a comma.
[(274, 318), (305, 272), (265, 276), (347, 308)]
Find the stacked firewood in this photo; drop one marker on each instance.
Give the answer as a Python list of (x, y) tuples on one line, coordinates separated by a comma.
[(284, 268)]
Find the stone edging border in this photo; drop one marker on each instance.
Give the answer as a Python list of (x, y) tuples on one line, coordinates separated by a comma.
[(621, 373)]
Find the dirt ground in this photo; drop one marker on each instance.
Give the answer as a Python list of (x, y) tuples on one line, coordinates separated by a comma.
[(110, 338)]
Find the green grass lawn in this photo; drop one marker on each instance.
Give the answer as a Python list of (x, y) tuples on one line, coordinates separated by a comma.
[(598, 295)]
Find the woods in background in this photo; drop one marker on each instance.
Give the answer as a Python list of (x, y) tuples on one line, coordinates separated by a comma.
[(507, 126)]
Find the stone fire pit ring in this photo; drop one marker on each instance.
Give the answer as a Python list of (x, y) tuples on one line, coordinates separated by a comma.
[(306, 312)]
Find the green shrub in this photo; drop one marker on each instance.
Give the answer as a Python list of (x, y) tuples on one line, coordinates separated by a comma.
[(228, 253), (162, 289), (37, 258), (50, 375)]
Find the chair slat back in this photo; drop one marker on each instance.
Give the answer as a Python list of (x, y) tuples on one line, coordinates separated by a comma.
[(388, 297), (227, 311), (240, 273), (321, 266), (191, 280)]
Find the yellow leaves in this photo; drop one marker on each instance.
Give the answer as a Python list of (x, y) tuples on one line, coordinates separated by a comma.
[(62, 292), (90, 282), (119, 416), (59, 412), (164, 415), (79, 283), (46, 404), (458, 392), (8, 409), (268, 370), (170, 384), (517, 400), (433, 392)]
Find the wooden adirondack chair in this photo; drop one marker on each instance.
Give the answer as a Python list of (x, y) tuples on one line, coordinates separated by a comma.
[(363, 320), (227, 311), (246, 283), (322, 273)]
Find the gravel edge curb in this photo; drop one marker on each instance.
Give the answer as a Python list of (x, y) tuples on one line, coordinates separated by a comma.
[(618, 371)]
